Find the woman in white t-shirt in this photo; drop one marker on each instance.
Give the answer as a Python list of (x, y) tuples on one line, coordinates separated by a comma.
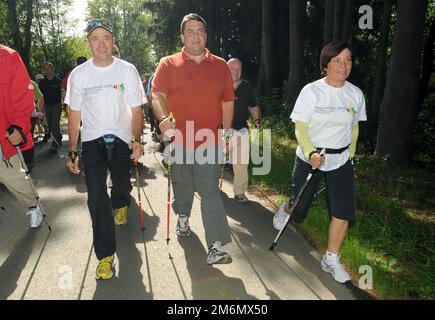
[(326, 116)]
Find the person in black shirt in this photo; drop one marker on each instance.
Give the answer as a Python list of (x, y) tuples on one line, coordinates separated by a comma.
[(51, 89), (245, 106)]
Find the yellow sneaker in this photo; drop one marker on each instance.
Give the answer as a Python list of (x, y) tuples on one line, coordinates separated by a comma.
[(121, 216), (104, 268)]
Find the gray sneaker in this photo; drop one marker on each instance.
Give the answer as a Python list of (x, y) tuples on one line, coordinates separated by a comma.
[(183, 229), (217, 254), (36, 217)]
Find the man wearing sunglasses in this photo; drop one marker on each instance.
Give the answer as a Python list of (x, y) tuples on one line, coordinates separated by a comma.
[(106, 94)]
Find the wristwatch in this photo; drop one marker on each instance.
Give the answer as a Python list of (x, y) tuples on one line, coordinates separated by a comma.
[(163, 118), (73, 155), (136, 140)]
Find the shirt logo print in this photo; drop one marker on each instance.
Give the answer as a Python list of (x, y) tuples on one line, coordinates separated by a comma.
[(120, 87), (351, 109)]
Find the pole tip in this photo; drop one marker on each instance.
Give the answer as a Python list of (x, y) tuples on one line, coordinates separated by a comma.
[(167, 241), (271, 247)]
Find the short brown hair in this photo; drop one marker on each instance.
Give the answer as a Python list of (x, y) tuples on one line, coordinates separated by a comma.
[(330, 51), (189, 17), (47, 63)]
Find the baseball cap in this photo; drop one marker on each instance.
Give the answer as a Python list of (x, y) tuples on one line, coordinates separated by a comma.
[(99, 23)]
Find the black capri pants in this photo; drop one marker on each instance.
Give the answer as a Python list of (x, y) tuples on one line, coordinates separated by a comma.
[(339, 185)]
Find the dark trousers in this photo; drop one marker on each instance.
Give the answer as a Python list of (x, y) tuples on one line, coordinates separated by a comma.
[(99, 204), (52, 113), (339, 185)]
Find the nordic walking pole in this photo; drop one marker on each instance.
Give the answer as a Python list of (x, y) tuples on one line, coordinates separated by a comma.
[(319, 192), (171, 118), (295, 203), (142, 226), (26, 170)]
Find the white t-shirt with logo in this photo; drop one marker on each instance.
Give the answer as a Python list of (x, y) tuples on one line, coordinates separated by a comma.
[(330, 113), (105, 96)]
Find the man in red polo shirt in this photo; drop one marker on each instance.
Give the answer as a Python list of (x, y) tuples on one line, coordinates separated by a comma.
[(197, 88)]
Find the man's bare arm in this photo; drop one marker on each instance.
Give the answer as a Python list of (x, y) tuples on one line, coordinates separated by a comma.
[(137, 122), (160, 109), (255, 113), (73, 129), (159, 104), (228, 113)]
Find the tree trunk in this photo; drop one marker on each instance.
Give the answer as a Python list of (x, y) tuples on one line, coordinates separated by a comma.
[(39, 28), (267, 75), (338, 19), (296, 78), (346, 32), (223, 39), (427, 63), (328, 33), (400, 101), (13, 23), (379, 80), (283, 36), (55, 36), (212, 29), (22, 43), (124, 28)]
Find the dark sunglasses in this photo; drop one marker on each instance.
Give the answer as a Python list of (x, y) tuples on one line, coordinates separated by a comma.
[(96, 23)]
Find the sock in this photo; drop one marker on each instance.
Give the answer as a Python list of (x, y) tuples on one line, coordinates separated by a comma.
[(331, 256)]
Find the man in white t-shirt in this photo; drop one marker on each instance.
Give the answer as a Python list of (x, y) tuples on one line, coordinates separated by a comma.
[(106, 94)]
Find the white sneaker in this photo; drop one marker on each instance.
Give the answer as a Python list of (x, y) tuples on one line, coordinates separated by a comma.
[(36, 217), (280, 217), (331, 264)]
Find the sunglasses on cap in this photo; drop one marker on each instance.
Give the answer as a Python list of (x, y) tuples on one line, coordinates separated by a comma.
[(99, 23)]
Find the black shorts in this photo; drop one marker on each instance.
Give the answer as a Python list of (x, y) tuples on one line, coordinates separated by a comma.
[(339, 185)]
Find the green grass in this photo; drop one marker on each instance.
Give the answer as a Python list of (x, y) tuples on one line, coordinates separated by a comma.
[(395, 228)]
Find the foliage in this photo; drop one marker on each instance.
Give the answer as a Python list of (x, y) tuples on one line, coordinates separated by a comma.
[(234, 28), (132, 28)]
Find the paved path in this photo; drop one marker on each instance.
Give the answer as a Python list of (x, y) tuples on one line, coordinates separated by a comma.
[(36, 264)]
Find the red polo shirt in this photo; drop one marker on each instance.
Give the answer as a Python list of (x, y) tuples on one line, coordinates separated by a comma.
[(195, 91)]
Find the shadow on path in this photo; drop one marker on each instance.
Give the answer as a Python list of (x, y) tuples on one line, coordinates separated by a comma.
[(209, 283)]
